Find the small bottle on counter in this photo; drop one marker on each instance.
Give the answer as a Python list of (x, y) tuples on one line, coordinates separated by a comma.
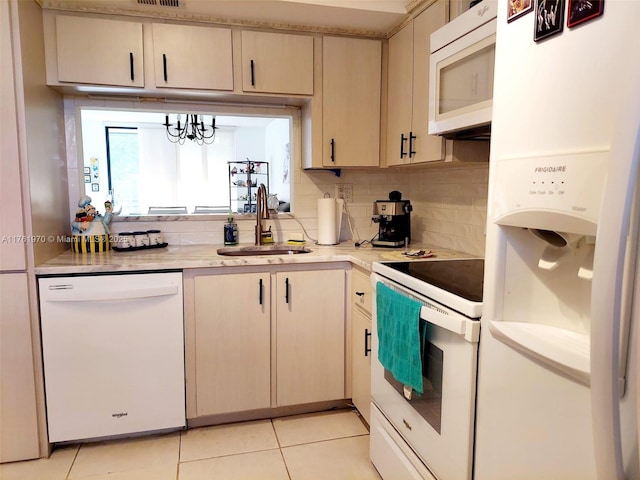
[(230, 231)]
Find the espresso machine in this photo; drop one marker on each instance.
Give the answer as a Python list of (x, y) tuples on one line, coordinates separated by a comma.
[(393, 217)]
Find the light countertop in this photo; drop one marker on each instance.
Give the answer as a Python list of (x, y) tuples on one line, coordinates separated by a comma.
[(205, 256)]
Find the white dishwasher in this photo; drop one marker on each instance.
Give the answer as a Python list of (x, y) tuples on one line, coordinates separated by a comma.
[(113, 354)]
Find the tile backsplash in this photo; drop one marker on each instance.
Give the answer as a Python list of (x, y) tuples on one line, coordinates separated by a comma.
[(449, 209)]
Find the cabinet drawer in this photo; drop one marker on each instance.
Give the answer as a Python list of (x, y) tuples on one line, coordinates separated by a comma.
[(361, 290)]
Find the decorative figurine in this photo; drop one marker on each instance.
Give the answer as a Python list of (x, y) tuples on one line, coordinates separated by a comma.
[(90, 230)]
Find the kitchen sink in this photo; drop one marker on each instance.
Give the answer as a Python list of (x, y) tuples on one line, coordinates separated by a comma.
[(255, 250)]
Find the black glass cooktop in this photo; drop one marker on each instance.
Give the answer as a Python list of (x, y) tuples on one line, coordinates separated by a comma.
[(464, 278)]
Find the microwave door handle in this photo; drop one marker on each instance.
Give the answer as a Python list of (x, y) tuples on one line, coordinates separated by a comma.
[(470, 329)]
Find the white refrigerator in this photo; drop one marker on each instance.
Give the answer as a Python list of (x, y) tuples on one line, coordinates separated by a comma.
[(557, 375)]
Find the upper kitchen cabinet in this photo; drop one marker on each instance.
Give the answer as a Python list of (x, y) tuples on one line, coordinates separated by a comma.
[(277, 63), (351, 79), (99, 52), (408, 140), (13, 254), (175, 67)]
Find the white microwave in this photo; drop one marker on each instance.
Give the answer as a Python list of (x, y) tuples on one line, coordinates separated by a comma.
[(462, 60)]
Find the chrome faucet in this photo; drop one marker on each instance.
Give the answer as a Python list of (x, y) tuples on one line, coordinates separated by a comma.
[(262, 212)]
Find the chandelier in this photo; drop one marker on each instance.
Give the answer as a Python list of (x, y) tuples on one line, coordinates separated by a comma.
[(193, 129)]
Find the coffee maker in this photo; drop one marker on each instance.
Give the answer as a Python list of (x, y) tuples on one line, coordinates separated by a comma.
[(393, 217)]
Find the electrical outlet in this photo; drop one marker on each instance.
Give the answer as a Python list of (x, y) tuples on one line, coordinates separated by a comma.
[(345, 190)]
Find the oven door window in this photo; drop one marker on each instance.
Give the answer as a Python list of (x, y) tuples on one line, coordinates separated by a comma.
[(429, 404)]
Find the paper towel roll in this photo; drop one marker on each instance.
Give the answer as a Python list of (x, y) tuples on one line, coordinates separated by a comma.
[(329, 219)]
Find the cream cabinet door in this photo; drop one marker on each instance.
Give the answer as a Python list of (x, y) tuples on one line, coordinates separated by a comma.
[(351, 79), (277, 63), (361, 361), (310, 323), (98, 51), (12, 245), (233, 342), (18, 415), (399, 96), (192, 57), (408, 140), (427, 148)]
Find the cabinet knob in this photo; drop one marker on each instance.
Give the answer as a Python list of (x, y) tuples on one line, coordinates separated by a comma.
[(360, 294)]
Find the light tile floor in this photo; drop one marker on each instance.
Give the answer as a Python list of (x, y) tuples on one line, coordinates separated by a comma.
[(321, 446)]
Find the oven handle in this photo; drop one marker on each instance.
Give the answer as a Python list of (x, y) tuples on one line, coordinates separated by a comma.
[(470, 329)]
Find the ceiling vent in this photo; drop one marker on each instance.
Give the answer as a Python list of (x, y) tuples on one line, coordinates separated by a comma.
[(161, 3)]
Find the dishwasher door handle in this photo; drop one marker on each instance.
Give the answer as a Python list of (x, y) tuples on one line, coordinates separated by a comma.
[(67, 293)]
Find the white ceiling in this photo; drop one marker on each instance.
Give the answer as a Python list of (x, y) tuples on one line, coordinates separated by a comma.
[(376, 17)]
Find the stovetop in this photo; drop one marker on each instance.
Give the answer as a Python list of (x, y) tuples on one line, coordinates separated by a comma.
[(455, 283)]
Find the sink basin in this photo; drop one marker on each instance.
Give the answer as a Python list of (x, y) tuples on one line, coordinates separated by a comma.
[(262, 250)]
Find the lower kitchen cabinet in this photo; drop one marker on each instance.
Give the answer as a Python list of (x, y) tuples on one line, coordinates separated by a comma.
[(261, 338), (233, 344), (361, 362), (361, 304), (310, 359), (18, 408)]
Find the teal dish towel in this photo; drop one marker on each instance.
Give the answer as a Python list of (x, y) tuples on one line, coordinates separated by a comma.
[(398, 330)]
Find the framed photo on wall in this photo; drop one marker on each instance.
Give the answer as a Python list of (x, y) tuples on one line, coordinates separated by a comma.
[(582, 10), (549, 18), (517, 8)]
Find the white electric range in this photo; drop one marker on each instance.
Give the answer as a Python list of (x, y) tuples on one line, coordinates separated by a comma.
[(430, 436)]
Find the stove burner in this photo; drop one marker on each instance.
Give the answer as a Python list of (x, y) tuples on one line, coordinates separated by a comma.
[(464, 278)]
